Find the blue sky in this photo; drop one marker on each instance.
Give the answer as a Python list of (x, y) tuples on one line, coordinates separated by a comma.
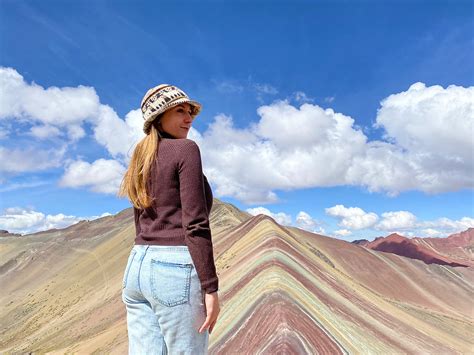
[(351, 119)]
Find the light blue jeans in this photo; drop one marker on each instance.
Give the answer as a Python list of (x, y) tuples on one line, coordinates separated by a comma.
[(164, 302)]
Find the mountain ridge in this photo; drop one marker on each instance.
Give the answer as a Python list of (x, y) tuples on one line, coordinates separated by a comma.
[(281, 288)]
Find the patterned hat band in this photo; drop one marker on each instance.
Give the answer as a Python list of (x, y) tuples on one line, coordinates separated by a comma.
[(161, 98)]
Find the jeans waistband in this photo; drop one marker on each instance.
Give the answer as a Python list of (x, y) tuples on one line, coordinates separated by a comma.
[(146, 247), (167, 253)]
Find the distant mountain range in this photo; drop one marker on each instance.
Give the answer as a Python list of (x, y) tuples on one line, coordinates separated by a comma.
[(282, 290), (455, 250)]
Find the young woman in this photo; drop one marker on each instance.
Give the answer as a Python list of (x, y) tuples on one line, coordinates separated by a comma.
[(170, 281)]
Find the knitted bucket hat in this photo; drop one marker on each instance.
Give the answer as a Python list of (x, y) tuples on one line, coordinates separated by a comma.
[(161, 98)]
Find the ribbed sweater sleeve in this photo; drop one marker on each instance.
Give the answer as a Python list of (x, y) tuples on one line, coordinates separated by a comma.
[(195, 216)]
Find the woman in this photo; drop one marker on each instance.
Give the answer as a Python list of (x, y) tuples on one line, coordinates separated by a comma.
[(170, 282)]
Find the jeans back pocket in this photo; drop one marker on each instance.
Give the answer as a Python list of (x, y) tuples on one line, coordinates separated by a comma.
[(170, 282), (127, 268)]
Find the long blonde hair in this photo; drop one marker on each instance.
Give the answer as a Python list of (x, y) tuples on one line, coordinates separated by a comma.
[(135, 184)]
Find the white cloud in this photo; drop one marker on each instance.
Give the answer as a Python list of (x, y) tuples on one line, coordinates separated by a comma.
[(406, 223), (44, 131), (311, 129), (66, 109), (431, 119), (52, 106), (303, 219), (396, 220), (17, 220), (103, 176), (75, 132), (382, 167), (401, 222), (276, 153), (429, 232), (53, 112), (434, 128), (30, 159), (352, 217), (280, 217), (27, 221), (288, 148), (117, 135), (342, 232), (306, 222), (291, 148), (246, 161), (447, 224)]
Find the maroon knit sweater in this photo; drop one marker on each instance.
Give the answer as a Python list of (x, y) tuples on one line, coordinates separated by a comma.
[(183, 201)]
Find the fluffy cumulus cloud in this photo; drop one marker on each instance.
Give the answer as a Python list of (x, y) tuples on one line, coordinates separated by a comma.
[(342, 233), (437, 228), (432, 233), (280, 217), (57, 107), (26, 221), (433, 120), (352, 217), (427, 141), (402, 222), (276, 153), (448, 225), (60, 114), (47, 131), (55, 112), (427, 146), (398, 220), (305, 221), (118, 136), (103, 176), (29, 159), (431, 146)]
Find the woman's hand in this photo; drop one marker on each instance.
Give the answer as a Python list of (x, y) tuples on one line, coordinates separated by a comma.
[(212, 311)]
